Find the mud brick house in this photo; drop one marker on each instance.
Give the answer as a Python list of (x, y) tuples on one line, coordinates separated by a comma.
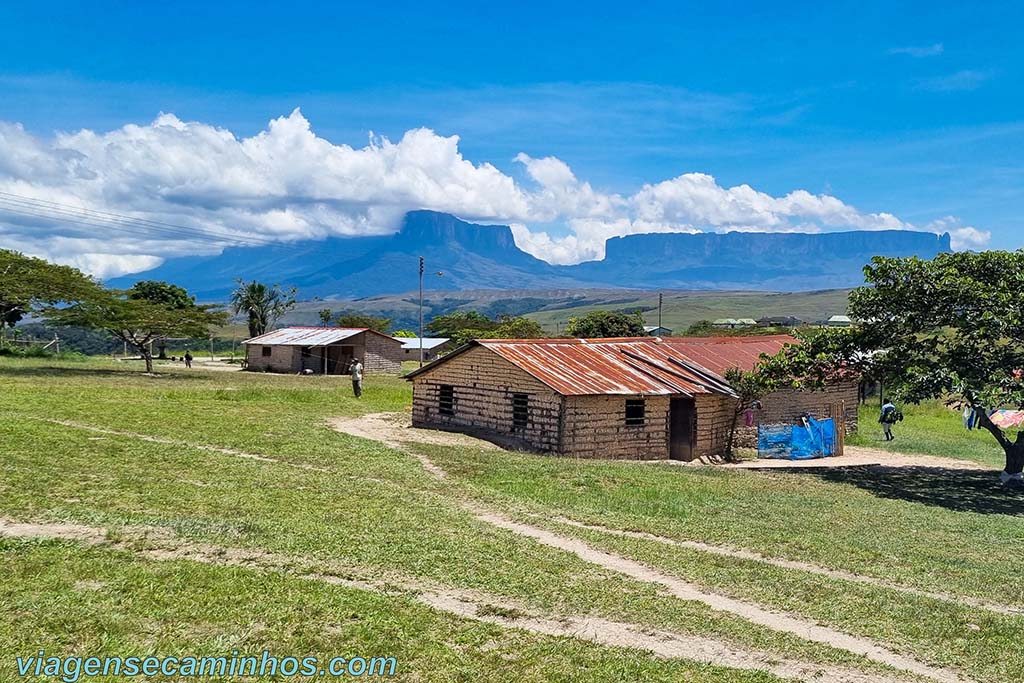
[(323, 351), (631, 398)]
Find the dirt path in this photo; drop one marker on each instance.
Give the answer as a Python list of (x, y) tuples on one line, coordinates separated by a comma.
[(174, 442), (859, 456), (156, 544), (798, 566), (365, 427)]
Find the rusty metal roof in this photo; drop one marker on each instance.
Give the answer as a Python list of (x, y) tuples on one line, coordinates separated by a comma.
[(630, 365), (719, 354), (306, 336)]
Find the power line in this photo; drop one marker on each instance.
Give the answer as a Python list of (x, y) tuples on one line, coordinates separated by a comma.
[(40, 208)]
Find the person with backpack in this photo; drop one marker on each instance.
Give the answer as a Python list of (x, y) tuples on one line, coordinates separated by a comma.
[(890, 416)]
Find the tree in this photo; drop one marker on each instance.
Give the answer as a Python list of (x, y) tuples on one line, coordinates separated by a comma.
[(165, 294), (452, 325), (263, 305), (325, 315), (405, 334), (27, 283), (137, 321), (374, 323), (749, 387), (950, 328), (701, 328), (517, 327), (606, 324)]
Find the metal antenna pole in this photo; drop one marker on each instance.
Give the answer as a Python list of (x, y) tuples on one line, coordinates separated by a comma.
[(660, 302), (421, 311)]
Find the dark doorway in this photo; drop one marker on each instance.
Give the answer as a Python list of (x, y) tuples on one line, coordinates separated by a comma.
[(682, 430)]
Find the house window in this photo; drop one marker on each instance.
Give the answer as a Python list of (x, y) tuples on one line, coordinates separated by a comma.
[(520, 410), (446, 399), (267, 351), (635, 412)]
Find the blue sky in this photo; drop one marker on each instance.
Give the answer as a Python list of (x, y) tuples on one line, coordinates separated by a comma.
[(910, 109)]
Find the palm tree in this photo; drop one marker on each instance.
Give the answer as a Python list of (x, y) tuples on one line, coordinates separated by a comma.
[(264, 305)]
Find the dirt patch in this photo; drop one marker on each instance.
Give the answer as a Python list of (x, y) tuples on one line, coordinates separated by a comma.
[(67, 532), (395, 429), (860, 456), (465, 604), (798, 566)]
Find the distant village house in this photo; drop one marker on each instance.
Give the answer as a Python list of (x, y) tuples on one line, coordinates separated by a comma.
[(432, 347), (657, 331), (323, 351), (630, 398)]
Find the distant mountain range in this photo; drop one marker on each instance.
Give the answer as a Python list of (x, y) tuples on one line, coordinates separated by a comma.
[(473, 256)]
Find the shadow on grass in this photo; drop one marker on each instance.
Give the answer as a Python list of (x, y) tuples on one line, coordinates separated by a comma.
[(59, 371), (954, 489)]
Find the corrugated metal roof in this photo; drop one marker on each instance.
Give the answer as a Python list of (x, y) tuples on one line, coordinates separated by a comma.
[(719, 354), (413, 343), (305, 336), (629, 366)]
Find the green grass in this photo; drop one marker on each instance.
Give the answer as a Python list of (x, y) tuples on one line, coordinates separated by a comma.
[(375, 512), (931, 428)]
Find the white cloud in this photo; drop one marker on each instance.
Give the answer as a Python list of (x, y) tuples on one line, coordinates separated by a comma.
[(919, 50), (958, 81), (287, 183), (962, 237)]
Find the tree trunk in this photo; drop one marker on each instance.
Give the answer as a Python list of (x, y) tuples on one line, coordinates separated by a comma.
[(1014, 457), (729, 457), (163, 351), (148, 357)]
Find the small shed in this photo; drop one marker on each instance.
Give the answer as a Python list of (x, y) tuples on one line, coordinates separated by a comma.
[(323, 351), (839, 321), (432, 347), (725, 323), (657, 331)]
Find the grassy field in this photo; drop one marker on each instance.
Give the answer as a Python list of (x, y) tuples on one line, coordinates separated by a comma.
[(931, 428), (553, 308), (333, 504)]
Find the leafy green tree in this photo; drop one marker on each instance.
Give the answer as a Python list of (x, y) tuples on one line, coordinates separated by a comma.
[(137, 321), (951, 328), (405, 334), (27, 283), (165, 294), (749, 387), (598, 324), (454, 325), (701, 328), (350, 319), (263, 305), (325, 315), (517, 327)]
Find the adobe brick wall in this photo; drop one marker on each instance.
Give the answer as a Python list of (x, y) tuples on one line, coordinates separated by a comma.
[(282, 359), (787, 406), (595, 427), (382, 355), (483, 386), (714, 420)]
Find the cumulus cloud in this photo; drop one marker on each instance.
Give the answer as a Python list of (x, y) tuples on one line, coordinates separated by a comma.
[(193, 188), (962, 237)]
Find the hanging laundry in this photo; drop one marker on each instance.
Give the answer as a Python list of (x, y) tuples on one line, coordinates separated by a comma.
[(1007, 418)]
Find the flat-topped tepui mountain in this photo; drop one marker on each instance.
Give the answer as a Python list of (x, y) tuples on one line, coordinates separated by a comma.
[(486, 257)]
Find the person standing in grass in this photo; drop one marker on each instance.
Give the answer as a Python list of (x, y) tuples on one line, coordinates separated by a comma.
[(889, 416), (357, 378), (188, 359)]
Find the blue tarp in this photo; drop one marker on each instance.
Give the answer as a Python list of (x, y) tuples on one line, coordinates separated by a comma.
[(797, 442)]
